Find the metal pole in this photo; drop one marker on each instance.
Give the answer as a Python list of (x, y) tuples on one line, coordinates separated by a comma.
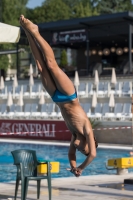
[(87, 48), (130, 49), (1, 10), (17, 61)]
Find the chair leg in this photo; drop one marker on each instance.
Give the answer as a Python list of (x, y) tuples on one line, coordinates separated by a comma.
[(49, 187), (22, 189), (26, 188), (16, 188), (38, 188)]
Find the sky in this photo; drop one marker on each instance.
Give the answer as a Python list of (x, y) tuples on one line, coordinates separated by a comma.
[(34, 3)]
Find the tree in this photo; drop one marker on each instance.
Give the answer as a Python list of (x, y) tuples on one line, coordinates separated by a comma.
[(53, 10), (10, 12), (63, 60), (36, 15), (56, 10), (113, 6)]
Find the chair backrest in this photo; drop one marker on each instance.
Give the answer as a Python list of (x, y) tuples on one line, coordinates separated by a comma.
[(3, 108), (35, 88), (12, 108), (43, 108), (126, 86), (82, 87), (105, 108), (90, 85), (27, 107), (9, 88), (28, 160), (51, 107), (98, 108), (24, 88), (19, 108), (18, 89), (118, 108), (58, 109), (34, 107), (106, 86), (126, 108), (87, 107), (101, 86)]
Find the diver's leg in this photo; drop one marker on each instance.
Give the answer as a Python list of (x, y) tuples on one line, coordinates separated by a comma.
[(46, 77), (63, 83)]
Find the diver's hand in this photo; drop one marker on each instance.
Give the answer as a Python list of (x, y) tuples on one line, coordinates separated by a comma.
[(75, 170)]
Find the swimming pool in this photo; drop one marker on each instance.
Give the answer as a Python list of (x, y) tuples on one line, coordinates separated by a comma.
[(56, 153)]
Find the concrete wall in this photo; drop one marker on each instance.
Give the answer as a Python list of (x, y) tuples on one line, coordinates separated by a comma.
[(115, 136)]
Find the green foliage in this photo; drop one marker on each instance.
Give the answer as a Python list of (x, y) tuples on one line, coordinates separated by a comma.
[(11, 10), (63, 60), (83, 9), (94, 123), (56, 10), (113, 6), (4, 62), (53, 10)]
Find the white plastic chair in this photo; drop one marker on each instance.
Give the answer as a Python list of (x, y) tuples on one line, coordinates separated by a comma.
[(126, 88), (51, 110), (34, 110), (27, 110), (19, 113), (43, 111), (82, 90), (126, 113)]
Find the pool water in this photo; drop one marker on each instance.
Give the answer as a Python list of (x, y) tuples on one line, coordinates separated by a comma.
[(56, 153)]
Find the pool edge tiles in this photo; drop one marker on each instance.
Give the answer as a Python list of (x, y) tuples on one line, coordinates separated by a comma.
[(105, 146)]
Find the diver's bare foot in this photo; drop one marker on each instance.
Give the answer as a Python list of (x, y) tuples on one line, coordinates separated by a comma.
[(29, 26)]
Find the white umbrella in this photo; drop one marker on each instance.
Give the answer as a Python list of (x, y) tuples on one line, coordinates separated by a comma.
[(113, 77), (31, 80), (96, 80), (9, 100), (20, 101), (15, 81), (9, 34), (42, 99), (31, 69), (31, 83), (15, 84), (112, 101), (76, 80), (94, 100), (2, 85)]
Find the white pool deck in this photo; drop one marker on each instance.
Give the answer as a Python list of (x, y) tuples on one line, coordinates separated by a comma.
[(100, 187)]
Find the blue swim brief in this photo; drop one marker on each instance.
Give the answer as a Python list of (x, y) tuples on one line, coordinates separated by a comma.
[(60, 97)]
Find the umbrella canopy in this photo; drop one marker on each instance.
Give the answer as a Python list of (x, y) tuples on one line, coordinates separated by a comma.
[(9, 34), (31, 81), (96, 78), (9, 100), (31, 69), (76, 79), (15, 81), (111, 101), (113, 77), (20, 100), (42, 99), (2, 85), (94, 100)]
